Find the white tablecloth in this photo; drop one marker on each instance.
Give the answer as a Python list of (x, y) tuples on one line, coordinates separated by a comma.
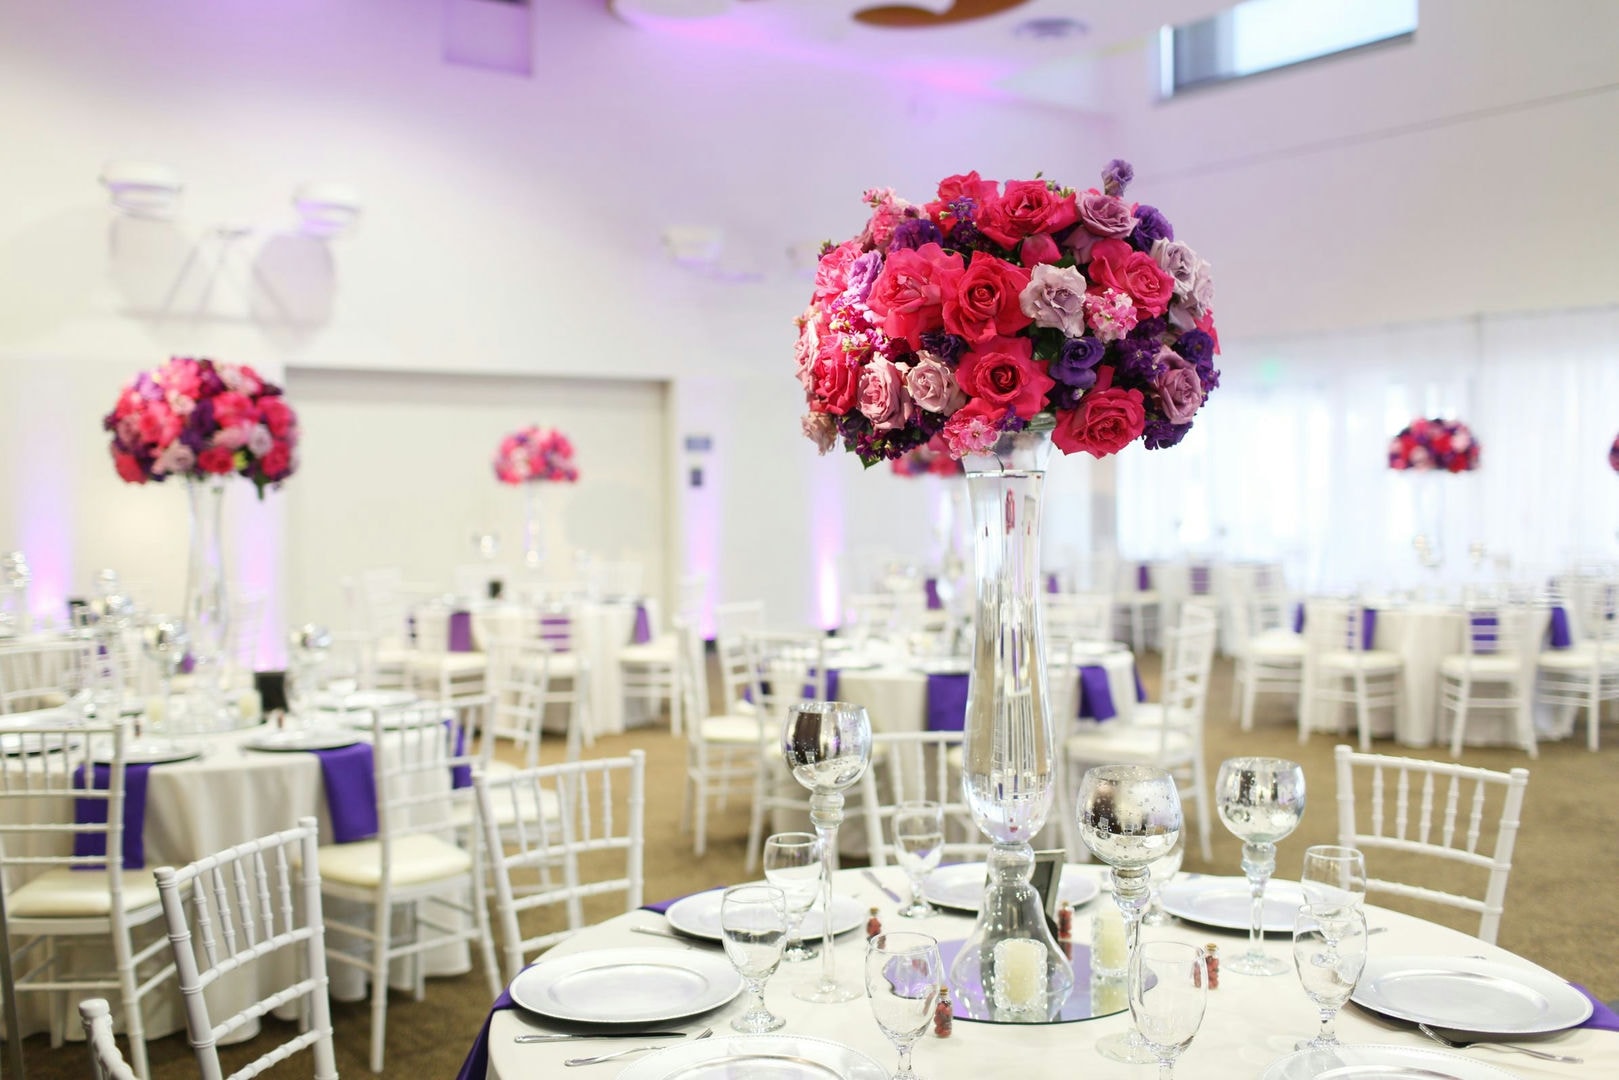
[(1250, 1020)]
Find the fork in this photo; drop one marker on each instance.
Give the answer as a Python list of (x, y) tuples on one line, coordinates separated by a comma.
[(706, 1032), (1459, 1044)]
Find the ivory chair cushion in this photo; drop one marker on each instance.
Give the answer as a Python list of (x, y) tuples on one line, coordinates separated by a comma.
[(1501, 667), (729, 729), (77, 894), (456, 663), (417, 860), (1371, 660)]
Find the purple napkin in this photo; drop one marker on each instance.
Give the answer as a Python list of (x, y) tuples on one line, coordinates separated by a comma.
[(1141, 689), (1298, 618), (1095, 696), (1200, 581), (461, 631), (1368, 627), (643, 626), (1561, 638), (94, 812), (662, 906), (476, 1066), (932, 586), (1143, 578), (947, 703), (1602, 1017), (349, 773)]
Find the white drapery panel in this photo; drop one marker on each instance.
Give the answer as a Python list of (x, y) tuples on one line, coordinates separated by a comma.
[(1289, 461)]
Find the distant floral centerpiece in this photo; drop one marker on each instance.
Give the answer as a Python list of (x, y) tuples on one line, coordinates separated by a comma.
[(1434, 446), (200, 418), (998, 307), (929, 459), (535, 455), (1613, 454)]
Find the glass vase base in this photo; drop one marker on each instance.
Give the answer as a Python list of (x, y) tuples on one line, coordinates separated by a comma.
[(1130, 1048), (1256, 964), (750, 1025), (822, 993), (1317, 1044)]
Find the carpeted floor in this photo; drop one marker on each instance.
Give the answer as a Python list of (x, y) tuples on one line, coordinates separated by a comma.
[(1561, 908)]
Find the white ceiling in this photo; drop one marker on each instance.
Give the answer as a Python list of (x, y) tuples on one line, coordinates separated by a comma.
[(1004, 52)]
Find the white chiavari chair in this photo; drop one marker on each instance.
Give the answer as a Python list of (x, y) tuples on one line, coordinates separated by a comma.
[(1474, 802), (233, 911), (1341, 668), (907, 766), (648, 670), (1585, 674), (790, 668), (44, 674), (106, 1063), (1268, 658), (721, 750), (1138, 601), (592, 829), (1493, 672), (1077, 618)]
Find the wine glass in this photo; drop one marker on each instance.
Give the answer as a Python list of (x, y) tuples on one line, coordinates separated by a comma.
[(1333, 876), (753, 926), (1168, 988), (165, 642), (1160, 874), (1129, 817), (793, 864), (827, 745), (903, 975), (1261, 801), (918, 844), (1329, 951), (310, 644)]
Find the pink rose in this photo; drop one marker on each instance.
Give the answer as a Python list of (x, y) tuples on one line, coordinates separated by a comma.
[(1026, 207), (1038, 249), (1107, 420), (1178, 389), (156, 424), (278, 463), (1003, 372), (235, 437), (821, 430), (1104, 215), (231, 408), (175, 460), (832, 275), (804, 349), (279, 417), (982, 302), (909, 295), (932, 386), (1115, 264), (182, 376), (973, 430), (836, 380), (882, 395), (961, 186), (129, 467), (217, 460)]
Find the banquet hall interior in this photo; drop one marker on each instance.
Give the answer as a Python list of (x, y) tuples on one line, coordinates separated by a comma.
[(480, 477)]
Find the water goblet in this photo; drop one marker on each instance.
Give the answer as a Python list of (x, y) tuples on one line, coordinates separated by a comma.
[(903, 975), (918, 844), (792, 863), (827, 745), (1329, 951), (1129, 817), (753, 926), (1261, 801), (1168, 988), (165, 642), (1333, 876), (1159, 875)]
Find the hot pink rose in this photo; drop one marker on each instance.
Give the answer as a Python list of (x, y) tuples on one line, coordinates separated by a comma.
[(961, 186), (1115, 264), (882, 395), (908, 296), (982, 302), (1025, 208), (278, 463), (128, 402), (1038, 249), (129, 467), (231, 408), (157, 424), (836, 381), (1107, 420), (217, 459), (973, 430), (832, 275), (182, 376), (278, 415), (932, 386), (1003, 372)]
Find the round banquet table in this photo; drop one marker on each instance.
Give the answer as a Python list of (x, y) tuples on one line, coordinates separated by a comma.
[(1250, 1021)]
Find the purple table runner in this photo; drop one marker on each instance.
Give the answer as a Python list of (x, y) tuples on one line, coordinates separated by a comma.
[(643, 626), (947, 703), (94, 812), (476, 1066), (460, 636), (349, 773), (1561, 638)]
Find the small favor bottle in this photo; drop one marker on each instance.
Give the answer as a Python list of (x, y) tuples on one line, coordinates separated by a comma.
[(874, 925), (1065, 921), (1211, 954), (943, 1014)]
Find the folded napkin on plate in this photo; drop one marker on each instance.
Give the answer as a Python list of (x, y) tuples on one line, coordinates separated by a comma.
[(94, 812), (476, 1066), (1602, 1018), (349, 773)]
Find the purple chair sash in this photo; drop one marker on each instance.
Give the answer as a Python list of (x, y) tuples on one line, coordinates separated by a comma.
[(1561, 638), (947, 703), (1368, 627), (476, 1066), (932, 587), (349, 773), (1095, 695), (460, 631), (557, 632), (1602, 1017), (1143, 578), (1200, 581), (460, 775), (1485, 631), (1141, 688), (94, 812), (643, 626), (1052, 584), (1298, 618)]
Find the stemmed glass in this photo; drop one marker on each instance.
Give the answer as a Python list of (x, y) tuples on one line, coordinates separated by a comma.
[(1333, 876), (1168, 990), (793, 864), (165, 642), (753, 926), (1129, 817), (827, 745), (1160, 874), (1329, 951), (1261, 801), (918, 843), (903, 975)]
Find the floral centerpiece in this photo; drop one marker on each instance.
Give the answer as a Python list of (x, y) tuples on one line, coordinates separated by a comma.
[(994, 307), (928, 459), (199, 419), (1613, 454), (1434, 446), (536, 455)]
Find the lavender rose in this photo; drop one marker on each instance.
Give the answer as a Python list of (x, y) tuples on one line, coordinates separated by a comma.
[(932, 386), (1055, 297), (882, 397), (1076, 365), (1116, 176), (1178, 389), (1178, 261), (821, 430), (1105, 215)]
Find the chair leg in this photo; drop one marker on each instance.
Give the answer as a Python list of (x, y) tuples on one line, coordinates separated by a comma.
[(756, 818), (134, 1022), (1363, 712), (383, 927), (700, 828), (1250, 693), (1458, 728)]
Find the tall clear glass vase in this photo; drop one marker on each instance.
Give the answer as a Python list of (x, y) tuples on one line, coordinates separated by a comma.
[(533, 545), (207, 605), (1010, 753)]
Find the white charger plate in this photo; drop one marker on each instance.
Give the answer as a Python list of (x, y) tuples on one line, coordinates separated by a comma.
[(960, 886), (699, 916), (301, 739), (626, 986), (1381, 1063), (1226, 903), (149, 752), (27, 743), (364, 699), (756, 1057), (1464, 993)]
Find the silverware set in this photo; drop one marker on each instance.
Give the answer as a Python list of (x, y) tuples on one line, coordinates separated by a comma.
[(705, 1033)]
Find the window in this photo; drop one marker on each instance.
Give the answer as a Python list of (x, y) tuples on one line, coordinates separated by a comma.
[(1263, 35)]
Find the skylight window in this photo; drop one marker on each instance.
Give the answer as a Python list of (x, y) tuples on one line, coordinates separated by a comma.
[(1263, 35)]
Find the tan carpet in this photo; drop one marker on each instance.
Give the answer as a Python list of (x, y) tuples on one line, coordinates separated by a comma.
[(1561, 909)]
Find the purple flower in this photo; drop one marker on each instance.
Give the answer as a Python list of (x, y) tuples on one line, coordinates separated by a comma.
[(863, 274), (1197, 347), (1152, 329), (208, 381), (1151, 226), (945, 346), (965, 235), (1136, 362), (1116, 176), (1066, 397), (1076, 365), (1161, 434), (913, 233)]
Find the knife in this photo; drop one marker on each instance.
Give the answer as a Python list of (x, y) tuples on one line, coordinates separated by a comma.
[(535, 1037), (875, 880)]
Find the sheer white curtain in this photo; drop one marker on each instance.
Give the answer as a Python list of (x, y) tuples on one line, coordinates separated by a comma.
[(1290, 460)]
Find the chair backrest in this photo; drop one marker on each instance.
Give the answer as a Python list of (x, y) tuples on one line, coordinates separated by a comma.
[(382, 594), (1334, 626), (739, 671), (424, 757), (1599, 611), (106, 1063), (519, 680), (235, 910), (1494, 629), (741, 617), (565, 819), (41, 674), (1447, 833), (907, 766), (1267, 609), (52, 770), (792, 668), (1072, 618), (691, 668), (1188, 661)]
